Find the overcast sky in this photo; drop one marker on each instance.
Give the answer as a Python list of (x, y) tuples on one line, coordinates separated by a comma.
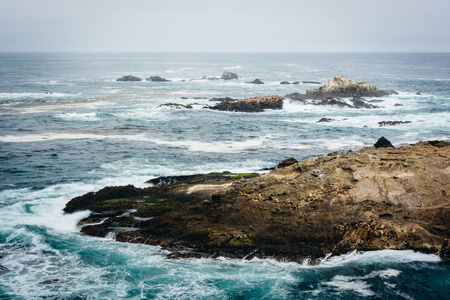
[(225, 26)]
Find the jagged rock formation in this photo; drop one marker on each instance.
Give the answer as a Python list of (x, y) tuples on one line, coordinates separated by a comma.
[(256, 104), (339, 87), (129, 78), (369, 199), (229, 75)]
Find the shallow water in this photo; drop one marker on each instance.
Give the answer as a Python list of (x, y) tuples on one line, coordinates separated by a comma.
[(68, 128)]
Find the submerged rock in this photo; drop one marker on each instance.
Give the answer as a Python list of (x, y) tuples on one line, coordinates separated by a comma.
[(325, 120), (229, 75), (369, 199), (256, 104), (129, 78)]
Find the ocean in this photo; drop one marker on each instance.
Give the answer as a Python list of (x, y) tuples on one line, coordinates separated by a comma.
[(67, 127)]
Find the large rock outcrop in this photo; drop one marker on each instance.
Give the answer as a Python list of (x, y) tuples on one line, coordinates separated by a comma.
[(339, 87), (369, 199)]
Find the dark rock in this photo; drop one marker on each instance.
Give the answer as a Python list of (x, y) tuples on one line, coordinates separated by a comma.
[(129, 78), (184, 98), (310, 82), (296, 82), (156, 79), (256, 81), (359, 102), (398, 104), (285, 82), (229, 75), (287, 162), (392, 123), (418, 93), (256, 104), (383, 143), (323, 120), (438, 144)]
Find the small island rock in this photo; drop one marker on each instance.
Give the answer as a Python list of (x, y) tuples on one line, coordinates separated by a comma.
[(229, 75), (129, 78)]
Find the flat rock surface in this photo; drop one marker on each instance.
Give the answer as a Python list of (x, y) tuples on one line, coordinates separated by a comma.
[(369, 199)]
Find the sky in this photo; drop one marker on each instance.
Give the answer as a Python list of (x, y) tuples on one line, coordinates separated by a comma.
[(225, 26)]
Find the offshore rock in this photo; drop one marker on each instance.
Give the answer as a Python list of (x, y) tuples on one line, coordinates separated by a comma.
[(335, 89), (256, 104), (229, 75), (156, 79), (392, 123), (370, 199), (129, 78), (256, 81)]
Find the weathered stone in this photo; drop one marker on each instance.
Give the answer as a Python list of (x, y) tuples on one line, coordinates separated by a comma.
[(229, 75), (129, 78), (370, 199)]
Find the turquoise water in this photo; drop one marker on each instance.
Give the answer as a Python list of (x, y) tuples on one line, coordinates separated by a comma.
[(68, 128)]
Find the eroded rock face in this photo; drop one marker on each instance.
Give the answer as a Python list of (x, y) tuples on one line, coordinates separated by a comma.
[(369, 199), (229, 75)]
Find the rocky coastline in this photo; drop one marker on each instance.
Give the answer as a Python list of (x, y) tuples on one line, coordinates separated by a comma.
[(375, 198)]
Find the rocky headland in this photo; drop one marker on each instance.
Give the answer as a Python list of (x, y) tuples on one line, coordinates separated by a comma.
[(371, 199)]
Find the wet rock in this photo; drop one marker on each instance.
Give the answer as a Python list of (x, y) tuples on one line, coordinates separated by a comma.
[(287, 162), (325, 120), (311, 82), (296, 82), (129, 78), (256, 81), (359, 102), (392, 123), (229, 75), (3, 269), (256, 104), (383, 143), (285, 82), (156, 79), (398, 104), (418, 93)]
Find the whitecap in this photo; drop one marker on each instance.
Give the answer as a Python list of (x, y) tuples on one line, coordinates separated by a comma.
[(233, 67)]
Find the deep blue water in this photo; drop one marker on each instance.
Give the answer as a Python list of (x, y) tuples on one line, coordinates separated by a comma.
[(67, 127)]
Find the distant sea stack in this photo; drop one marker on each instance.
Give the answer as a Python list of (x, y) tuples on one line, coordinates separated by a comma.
[(340, 85), (129, 78), (229, 75)]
